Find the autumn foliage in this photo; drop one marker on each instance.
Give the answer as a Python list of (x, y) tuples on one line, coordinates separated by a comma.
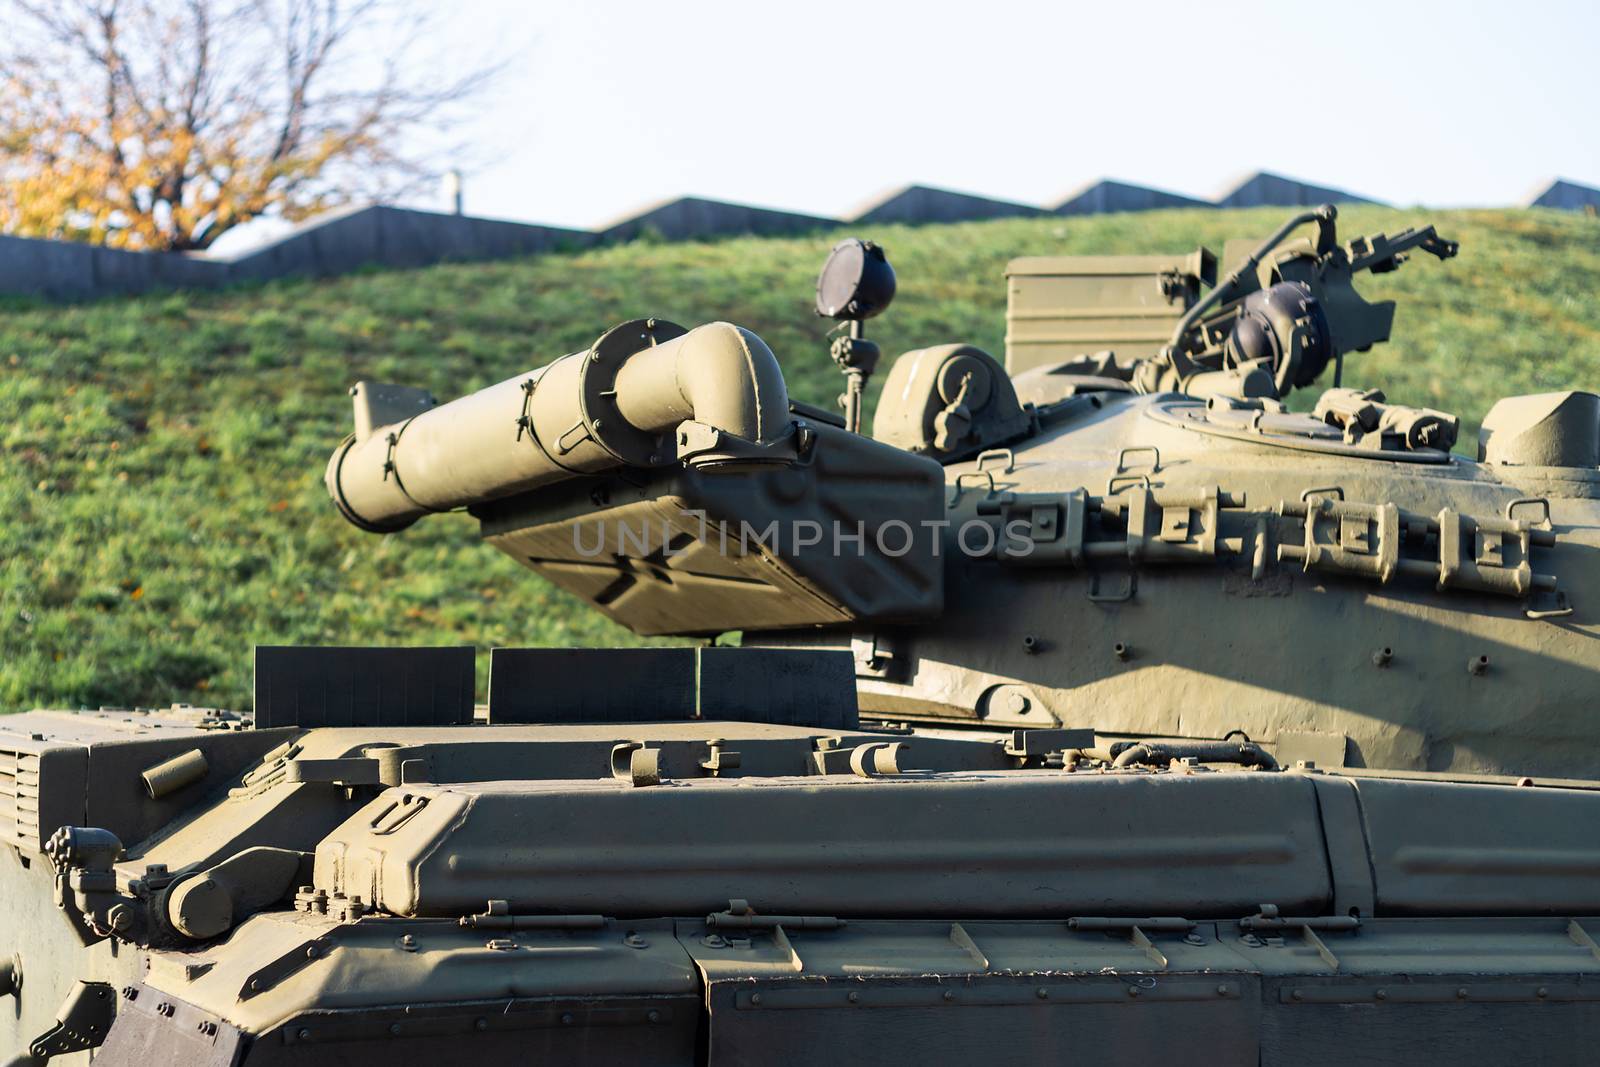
[(162, 124)]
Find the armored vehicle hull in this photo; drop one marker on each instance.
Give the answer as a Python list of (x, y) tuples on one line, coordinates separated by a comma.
[(837, 895), (1099, 707)]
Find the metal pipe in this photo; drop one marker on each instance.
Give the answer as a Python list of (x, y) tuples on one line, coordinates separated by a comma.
[(174, 774), (588, 412), (719, 374), (533, 922), (1160, 753)]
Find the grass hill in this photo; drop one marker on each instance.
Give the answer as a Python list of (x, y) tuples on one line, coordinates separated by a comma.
[(161, 500)]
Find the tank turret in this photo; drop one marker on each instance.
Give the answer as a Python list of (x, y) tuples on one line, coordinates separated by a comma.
[(1155, 547)]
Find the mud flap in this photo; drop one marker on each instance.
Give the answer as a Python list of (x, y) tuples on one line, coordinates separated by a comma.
[(152, 1028)]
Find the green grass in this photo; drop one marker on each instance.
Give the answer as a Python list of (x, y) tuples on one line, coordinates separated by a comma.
[(161, 501)]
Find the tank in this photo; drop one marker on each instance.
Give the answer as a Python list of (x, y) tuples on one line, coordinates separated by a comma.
[(1111, 700)]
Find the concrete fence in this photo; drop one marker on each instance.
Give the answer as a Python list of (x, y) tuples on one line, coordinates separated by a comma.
[(690, 217), (925, 203), (340, 242), (1107, 196), (1567, 196), (1273, 190), (331, 244)]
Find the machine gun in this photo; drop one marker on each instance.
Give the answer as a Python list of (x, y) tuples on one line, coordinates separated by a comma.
[(1288, 310)]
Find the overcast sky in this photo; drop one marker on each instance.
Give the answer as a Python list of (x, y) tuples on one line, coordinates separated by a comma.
[(609, 105)]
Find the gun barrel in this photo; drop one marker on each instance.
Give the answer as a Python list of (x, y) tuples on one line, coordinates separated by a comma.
[(616, 404)]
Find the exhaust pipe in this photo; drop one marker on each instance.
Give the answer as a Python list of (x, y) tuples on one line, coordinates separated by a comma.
[(647, 394)]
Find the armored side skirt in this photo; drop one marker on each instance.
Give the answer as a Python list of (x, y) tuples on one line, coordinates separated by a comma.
[(1472, 991)]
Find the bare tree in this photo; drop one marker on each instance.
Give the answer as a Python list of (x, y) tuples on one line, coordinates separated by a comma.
[(163, 124)]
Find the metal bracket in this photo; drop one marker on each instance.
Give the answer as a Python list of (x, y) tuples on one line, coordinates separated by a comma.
[(1142, 942), (741, 916), (874, 655), (284, 966), (1478, 554), (1135, 929), (498, 916), (877, 759), (1054, 522), (1169, 525), (1155, 457), (636, 765), (525, 420), (719, 759), (1321, 946), (349, 770), (393, 439), (1562, 607), (82, 1021), (1160, 924), (1580, 937), (1116, 596), (700, 445), (963, 940), (1006, 454), (1117, 482), (1542, 502), (572, 437), (985, 473), (1025, 743), (1267, 918)]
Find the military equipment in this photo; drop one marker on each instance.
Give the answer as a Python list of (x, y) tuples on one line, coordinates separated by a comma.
[(1100, 705), (856, 283)]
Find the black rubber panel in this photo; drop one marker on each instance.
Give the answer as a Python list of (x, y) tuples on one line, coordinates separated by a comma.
[(313, 686), (794, 687)]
